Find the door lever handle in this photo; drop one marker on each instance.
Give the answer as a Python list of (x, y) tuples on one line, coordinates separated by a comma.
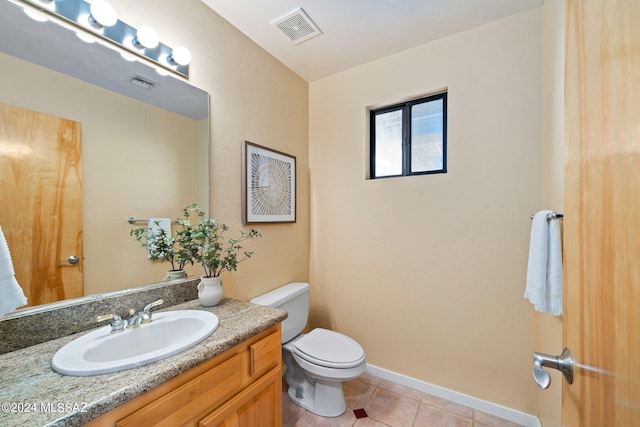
[(73, 259), (563, 363)]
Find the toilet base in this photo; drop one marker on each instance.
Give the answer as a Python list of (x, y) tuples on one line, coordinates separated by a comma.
[(323, 398)]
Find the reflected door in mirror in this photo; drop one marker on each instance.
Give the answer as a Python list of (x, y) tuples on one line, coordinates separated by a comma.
[(41, 202)]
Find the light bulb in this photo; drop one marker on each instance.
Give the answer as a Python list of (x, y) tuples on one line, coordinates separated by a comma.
[(102, 14), (146, 37), (86, 37), (39, 14), (180, 56), (36, 15), (128, 56)]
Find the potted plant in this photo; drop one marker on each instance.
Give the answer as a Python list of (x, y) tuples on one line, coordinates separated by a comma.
[(162, 246), (206, 244)]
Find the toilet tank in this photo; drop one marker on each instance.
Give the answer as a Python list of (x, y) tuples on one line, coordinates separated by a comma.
[(292, 298)]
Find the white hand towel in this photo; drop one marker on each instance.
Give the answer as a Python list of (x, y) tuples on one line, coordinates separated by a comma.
[(156, 224), (11, 294), (544, 272)]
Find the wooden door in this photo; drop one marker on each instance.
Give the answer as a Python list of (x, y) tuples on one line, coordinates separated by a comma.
[(602, 212), (41, 202)]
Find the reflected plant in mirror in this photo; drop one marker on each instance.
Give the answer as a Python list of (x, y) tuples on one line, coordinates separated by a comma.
[(161, 246)]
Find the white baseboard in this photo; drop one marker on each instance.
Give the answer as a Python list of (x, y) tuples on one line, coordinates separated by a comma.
[(456, 397)]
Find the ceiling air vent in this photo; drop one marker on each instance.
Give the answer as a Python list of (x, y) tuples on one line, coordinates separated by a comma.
[(142, 82), (297, 26)]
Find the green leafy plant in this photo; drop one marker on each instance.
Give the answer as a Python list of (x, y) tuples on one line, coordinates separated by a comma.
[(162, 246), (206, 244)]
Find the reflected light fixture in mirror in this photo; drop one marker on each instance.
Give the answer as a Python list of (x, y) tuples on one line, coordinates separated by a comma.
[(127, 56), (36, 14), (99, 21), (146, 38), (180, 56), (85, 37), (102, 14)]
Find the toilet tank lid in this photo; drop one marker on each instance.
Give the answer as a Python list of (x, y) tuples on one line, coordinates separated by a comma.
[(281, 295)]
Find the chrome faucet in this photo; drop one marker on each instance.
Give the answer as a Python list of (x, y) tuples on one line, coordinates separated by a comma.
[(117, 325), (144, 316), (134, 320), (141, 317)]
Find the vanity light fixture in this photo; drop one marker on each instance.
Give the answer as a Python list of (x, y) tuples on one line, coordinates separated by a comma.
[(146, 37), (128, 56), (85, 37), (36, 14), (102, 14), (98, 21), (179, 56)]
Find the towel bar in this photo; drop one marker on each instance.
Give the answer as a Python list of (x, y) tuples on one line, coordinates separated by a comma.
[(132, 220), (553, 215)]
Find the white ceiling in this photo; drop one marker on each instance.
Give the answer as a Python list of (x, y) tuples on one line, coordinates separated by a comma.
[(359, 31)]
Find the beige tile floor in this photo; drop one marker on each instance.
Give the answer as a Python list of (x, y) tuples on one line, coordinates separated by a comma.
[(390, 405)]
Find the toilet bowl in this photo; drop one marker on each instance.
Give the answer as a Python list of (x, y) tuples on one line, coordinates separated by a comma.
[(317, 363)]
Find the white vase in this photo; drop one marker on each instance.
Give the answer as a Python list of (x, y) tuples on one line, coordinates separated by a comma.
[(175, 275), (210, 291)]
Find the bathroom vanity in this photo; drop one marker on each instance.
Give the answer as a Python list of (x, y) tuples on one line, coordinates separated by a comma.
[(233, 375)]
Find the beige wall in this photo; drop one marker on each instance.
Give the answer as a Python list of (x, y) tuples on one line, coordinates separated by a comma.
[(550, 327), (253, 97), (427, 272)]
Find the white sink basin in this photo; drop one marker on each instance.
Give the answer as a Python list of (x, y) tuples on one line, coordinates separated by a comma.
[(101, 352)]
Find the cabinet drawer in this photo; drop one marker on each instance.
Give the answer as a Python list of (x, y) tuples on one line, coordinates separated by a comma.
[(264, 355), (187, 403)]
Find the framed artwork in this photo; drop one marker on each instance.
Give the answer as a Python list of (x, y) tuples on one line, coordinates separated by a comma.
[(269, 185)]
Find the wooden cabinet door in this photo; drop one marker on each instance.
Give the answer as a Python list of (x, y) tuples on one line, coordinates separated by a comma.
[(41, 202), (259, 405), (602, 213), (186, 404)]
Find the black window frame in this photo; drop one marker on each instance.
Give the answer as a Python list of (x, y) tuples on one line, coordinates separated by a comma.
[(405, 107)]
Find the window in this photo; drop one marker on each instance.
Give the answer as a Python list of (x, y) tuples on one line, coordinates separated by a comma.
[(409, 138)]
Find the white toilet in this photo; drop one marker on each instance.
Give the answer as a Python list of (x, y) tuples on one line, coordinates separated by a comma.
[(318, 362)]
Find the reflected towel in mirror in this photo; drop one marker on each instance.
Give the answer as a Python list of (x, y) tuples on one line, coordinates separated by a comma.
[(11, 294)]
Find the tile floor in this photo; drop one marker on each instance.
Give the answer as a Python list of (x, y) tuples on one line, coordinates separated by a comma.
[(390, 405)]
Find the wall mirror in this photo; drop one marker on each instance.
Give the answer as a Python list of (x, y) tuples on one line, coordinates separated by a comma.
[(144, 151)]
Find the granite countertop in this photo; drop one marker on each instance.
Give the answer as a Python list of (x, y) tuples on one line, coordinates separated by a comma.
[(32, 394)]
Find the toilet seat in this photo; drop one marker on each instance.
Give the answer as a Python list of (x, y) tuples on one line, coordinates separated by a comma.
[(329, 349)]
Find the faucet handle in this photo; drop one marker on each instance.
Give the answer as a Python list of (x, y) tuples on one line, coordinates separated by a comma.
[(116, 326), (148, 307), (104, 317), (145, 314)]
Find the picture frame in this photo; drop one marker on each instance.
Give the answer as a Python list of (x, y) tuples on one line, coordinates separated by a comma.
[(269, 185)]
